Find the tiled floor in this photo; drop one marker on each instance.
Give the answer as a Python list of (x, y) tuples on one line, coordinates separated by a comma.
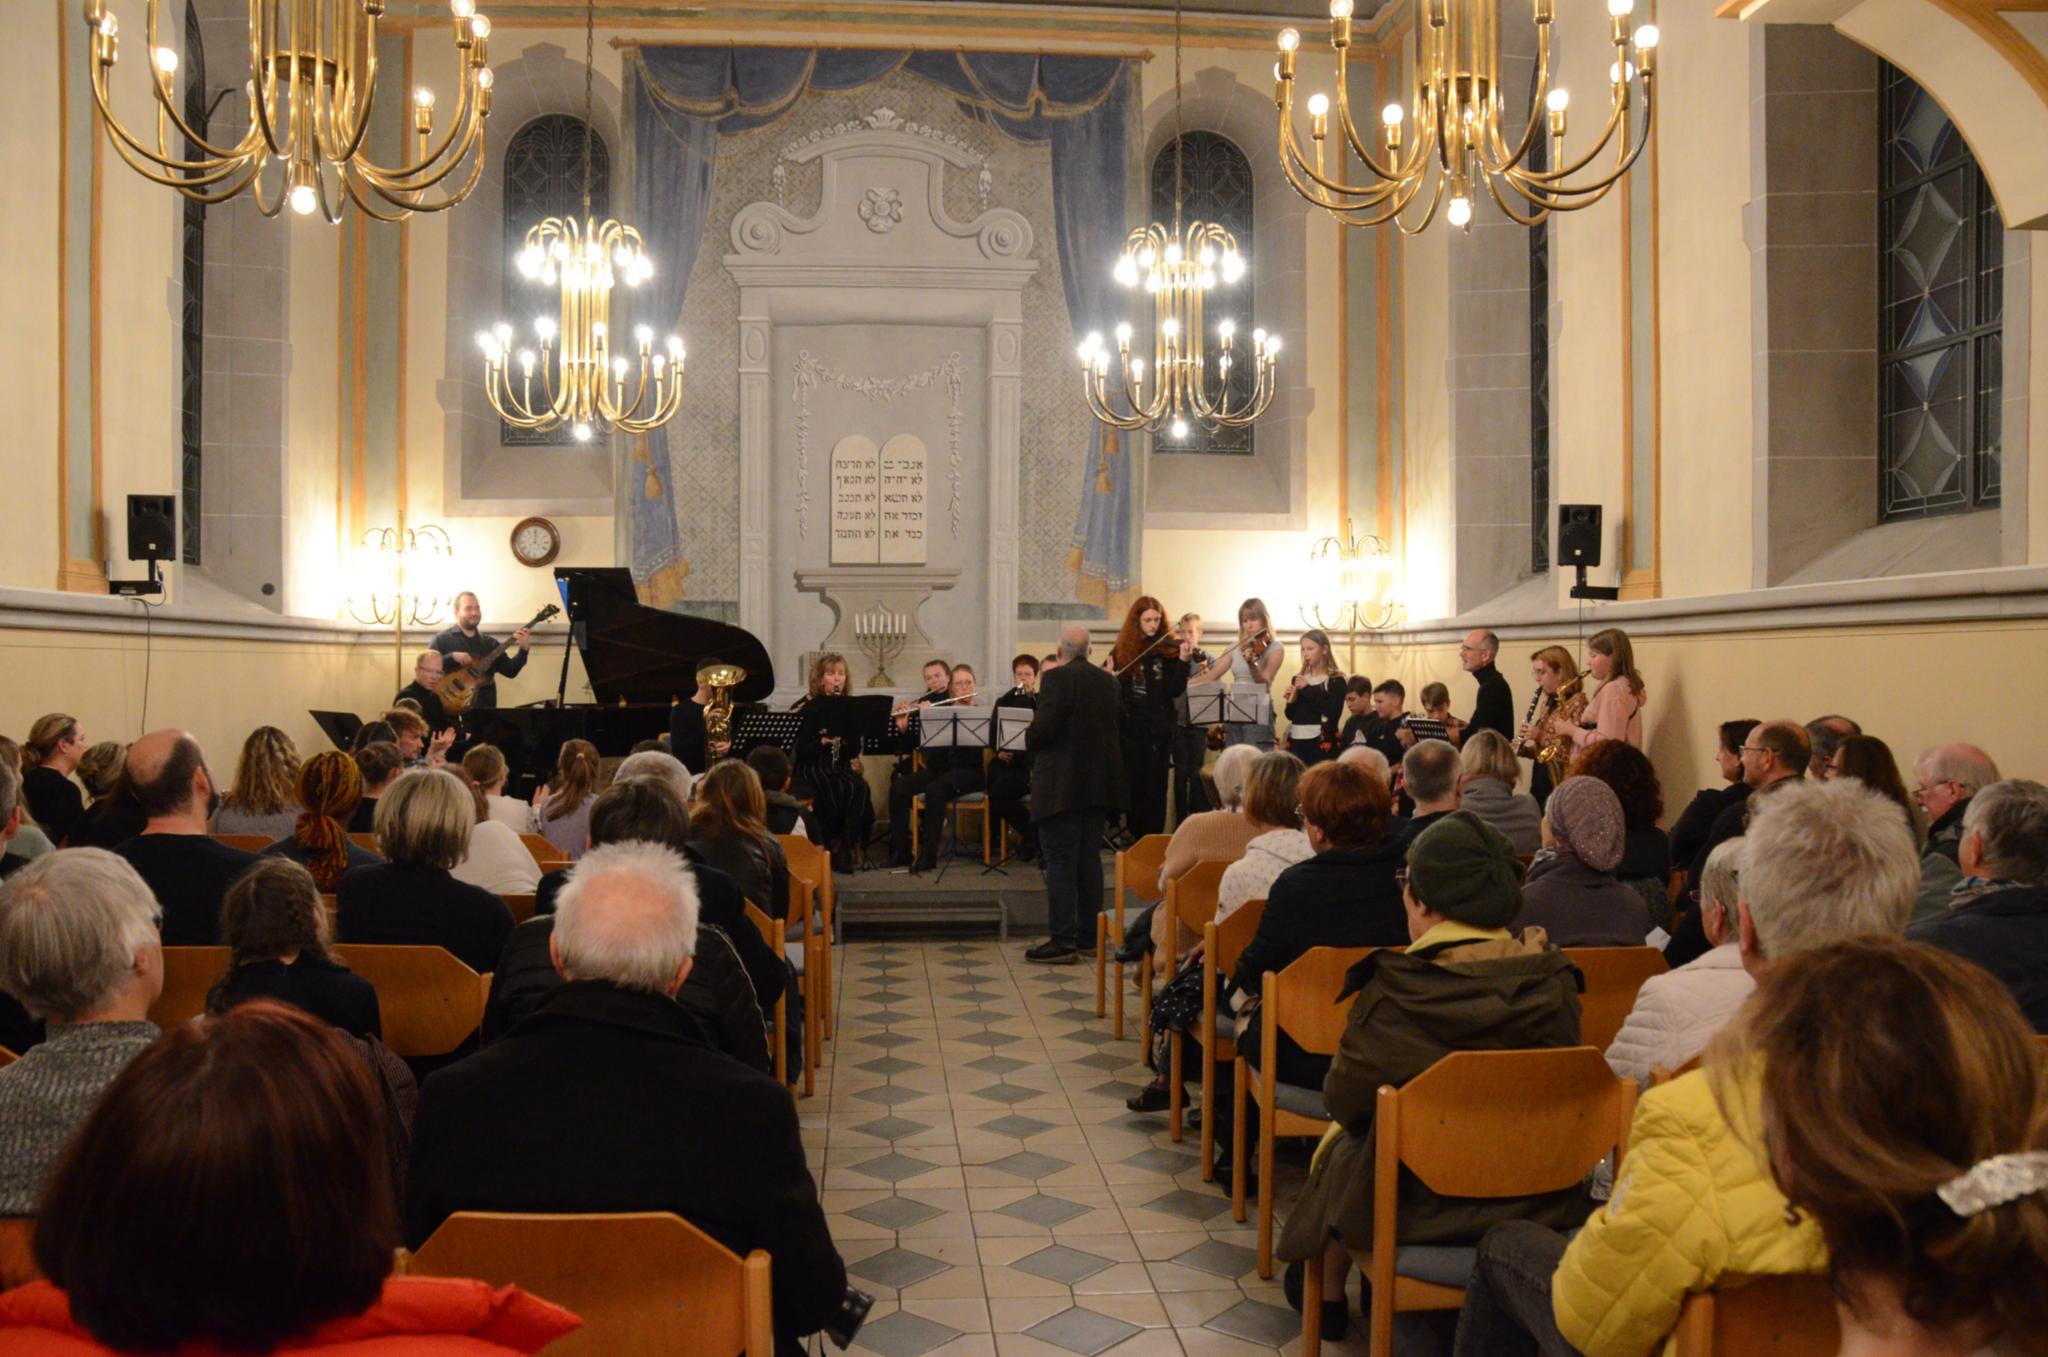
[(985, 1182)]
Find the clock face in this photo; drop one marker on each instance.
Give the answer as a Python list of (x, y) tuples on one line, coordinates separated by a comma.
[(535, 541)]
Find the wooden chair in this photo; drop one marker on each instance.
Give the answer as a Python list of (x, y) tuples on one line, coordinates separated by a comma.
[(1196, 914), (365, 840), (17, 1257), (562, 865), (1302, 1002), (7, 1057), (813, 862), (1189, 896), (1562, 1111), (1661, 1074), (520, 905), (431, 1003), (802, 920), (1222, 944), (543, 851), (1613, 975), (1786, 1316), (645, 1283), (189, 972), (248, 843), (778, 1042), (1137, 872), (967, 801)]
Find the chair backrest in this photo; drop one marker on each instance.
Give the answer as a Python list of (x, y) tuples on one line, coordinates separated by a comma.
[(430, 1001), (1225, 940), (1791, 1316), (189, 972), (1137, 867), (770, 931), (803, 896), (364, 839), (248, 843), (1562, 1110), (803, 856), (542, 849), (1302, 1000), (1664, 1074), (559, 865), (1613, 975), (17, 1258), (520, 905), (644, 1282), (7, 1057), (1191, 900)]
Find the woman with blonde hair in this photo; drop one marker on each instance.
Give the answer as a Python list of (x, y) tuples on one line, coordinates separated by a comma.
[(1252, 663), (486, 765), (1616, 709), (113, 818), (729, 831), (1315, 702), (831, 769), (412, 898), (1553, 668), (265, 795), (1490, 773), (48, 757), (1206, 836), (330, 789), (562, 807)]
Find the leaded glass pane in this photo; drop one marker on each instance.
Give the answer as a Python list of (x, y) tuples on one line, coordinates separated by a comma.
[(1215, 185), (544, 178)]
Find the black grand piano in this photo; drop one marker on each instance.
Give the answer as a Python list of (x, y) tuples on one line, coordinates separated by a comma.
[(641, 663)]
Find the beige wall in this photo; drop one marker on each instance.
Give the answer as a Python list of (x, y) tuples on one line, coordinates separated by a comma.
[(29, 280)]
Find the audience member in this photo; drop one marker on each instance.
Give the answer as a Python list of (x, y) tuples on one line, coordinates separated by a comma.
[(265, 798), (562, 807), (1676, 1014), (1869, 760), (1696, 821), (330, 789), (609, 1064), (99, 768), (1903, 1107), (1948, 776), (275, 930), (29, 841), (496, 858), (188, 871), (1370, 759), (1572, 893), (231, 1193), (422, 741), (10, 820), (1488, 774), (48, 757), (786, 814), (79, 950), (1824, 735), (1999, 912), (412, 898), (1645, 851), (112, 818), (1430, 774), (380, 765), (660, 765), (423, 695), (1821, 862), (1205, 836), (1773, 756), (373, 732), (729, 830), (486, 765), (1465, 983), (1272, 812)]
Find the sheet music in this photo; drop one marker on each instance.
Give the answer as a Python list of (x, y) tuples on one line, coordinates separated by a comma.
[(954, 728), (1011, 723)]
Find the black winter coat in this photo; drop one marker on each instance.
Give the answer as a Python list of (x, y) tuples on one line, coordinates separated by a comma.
[(718, 902), (1343, 898), (2005, 932)]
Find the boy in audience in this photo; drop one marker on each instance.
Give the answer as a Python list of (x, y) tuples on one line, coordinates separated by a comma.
[(786, 814), (188, 871)]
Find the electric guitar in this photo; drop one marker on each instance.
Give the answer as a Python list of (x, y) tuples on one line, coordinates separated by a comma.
[(458, 686)]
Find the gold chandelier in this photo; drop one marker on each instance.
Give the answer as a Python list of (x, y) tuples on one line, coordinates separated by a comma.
[(1458, 113), (583, 385), (1177, 266), (312, 81)]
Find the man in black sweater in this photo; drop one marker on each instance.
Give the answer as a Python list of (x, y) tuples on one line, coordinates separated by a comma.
[(1495, 707), (189, 872), (608, 1098)]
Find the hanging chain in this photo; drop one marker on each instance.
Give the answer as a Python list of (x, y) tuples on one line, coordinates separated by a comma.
[(589, 71), (1177, 136)]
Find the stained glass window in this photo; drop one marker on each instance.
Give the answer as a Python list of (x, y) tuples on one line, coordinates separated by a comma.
[(1216, 185), (1941, 312), (192, 320), (544, 178)]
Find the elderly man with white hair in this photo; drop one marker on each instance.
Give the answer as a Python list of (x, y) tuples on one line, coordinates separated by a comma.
[(1999, 912), (78, 949), (1947, 776), (657, 763), (609, 1097)]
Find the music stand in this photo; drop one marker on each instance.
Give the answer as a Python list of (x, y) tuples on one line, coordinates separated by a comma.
[(1230, 707), (858, 719), (953, 728), (753, 729), (338, 726), (1011, 723), (1425, 729)]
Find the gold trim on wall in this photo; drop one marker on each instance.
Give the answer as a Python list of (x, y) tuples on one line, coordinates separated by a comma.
[(76, 574), (1646, 582)]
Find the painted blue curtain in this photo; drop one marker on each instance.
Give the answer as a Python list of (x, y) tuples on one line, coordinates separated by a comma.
[(682, 99)]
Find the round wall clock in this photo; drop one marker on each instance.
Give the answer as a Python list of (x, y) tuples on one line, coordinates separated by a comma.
[(536, 542)]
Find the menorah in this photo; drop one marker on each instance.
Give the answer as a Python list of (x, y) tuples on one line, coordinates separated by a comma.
[(882, 636)]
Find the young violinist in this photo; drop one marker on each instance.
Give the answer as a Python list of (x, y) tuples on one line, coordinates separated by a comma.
[(845, 807), (1147, 662), (1190, 743), (1314, 702), (1251, 663)]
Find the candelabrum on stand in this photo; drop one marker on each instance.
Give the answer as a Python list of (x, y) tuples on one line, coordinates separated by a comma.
[(401, 581), (1352, 579), (882, 636)]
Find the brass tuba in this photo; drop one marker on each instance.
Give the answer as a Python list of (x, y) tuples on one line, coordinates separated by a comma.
[(721, 679), (1555, 753)]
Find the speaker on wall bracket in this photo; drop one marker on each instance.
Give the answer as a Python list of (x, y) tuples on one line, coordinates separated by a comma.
[(1578, 546), (152, 537)]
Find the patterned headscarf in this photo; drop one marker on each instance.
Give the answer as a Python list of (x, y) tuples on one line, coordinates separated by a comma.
[(1586, 821), (330, 788)]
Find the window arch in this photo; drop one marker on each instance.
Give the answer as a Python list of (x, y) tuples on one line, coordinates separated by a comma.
[(544, 178), (1941, 300), (1216, 185)]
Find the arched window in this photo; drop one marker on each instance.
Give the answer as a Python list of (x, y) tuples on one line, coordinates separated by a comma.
[(1216, 185), (544, 178), (1941, 301)]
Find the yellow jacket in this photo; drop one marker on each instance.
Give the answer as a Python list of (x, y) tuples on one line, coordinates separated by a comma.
[(1694, 1204)]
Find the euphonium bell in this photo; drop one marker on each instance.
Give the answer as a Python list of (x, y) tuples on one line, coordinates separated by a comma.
[(721, 678)]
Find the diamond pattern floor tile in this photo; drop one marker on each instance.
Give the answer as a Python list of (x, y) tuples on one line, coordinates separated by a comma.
[(995, 1064), (888, 1095), (990, 1039), (888, 1064), (891, 1128), (1257, 1322), (1196, 1206), (1040, 1209), (1058, 1263), (1007, 1094), (895, 1213), (904, 1335), (893, 1167), (897, 1267), (1017, 1125), (1161, 1161), (1222, 1259), (1030, 1164), (1082, 1331)]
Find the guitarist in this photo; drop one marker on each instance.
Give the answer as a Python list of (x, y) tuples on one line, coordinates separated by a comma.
[(462, 644)]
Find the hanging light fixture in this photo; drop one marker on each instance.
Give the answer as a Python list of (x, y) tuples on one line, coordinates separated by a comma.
[(1177, 267), (312, 82), (1458, 115), (583, 385)]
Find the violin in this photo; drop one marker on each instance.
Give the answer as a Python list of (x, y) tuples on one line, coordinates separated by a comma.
[(1170, 636), (1257, 644)]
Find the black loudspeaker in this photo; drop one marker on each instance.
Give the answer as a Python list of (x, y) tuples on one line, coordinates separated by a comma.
[(152, 528), (1578, 534)]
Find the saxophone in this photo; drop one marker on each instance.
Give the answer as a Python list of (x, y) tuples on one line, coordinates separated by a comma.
[(1555, 753)]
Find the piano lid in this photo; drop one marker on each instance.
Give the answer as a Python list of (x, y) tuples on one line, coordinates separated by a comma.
[(639, 654)]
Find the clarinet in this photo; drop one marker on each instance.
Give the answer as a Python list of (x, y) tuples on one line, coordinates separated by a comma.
[(1524, 748)]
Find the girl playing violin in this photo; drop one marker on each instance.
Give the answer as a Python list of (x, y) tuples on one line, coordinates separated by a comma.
[(1147, 661), (1251, 664)]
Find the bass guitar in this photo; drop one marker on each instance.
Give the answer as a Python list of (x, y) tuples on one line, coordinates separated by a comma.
[(458, 686)]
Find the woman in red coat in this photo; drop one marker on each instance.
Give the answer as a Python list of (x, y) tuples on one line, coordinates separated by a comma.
[(231, 1193)]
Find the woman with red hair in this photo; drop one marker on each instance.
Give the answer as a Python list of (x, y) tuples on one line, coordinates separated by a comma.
[(1152, 665)]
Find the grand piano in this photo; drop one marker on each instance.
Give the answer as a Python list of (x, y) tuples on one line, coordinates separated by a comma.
[(640, 661)]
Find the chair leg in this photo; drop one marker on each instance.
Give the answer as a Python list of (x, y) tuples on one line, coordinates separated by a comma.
[(1267, 1106), (1101, 955), (1311, 1307), (1119, 999), (1175, 1112), (1209, 1108), (1145, 1005), (1379, 1324), (810, 992), (1237, 1102)]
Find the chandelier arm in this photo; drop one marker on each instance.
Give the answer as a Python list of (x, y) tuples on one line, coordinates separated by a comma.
[(1539, 190), (139, 159), (356, 196), (1324, 192), (467, 122), (1350, 130), (1537, 93), (205, 171), (167, 106), (1436, 198), (389, 184), (1615, 116), (263, 116), (1290, 142), (1537, 218)]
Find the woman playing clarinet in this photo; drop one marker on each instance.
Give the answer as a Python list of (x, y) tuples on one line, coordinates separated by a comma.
[(845, 806), (1315, 702), (1147, 661)]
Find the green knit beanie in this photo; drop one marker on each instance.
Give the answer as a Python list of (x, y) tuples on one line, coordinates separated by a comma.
[(1465, 869)]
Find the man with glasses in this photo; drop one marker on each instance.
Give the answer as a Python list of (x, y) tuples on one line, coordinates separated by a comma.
[(1775, 753), (1947, 776), (1495, 708)]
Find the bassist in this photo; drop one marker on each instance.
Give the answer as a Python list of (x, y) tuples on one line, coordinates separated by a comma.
[(463, 644)]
